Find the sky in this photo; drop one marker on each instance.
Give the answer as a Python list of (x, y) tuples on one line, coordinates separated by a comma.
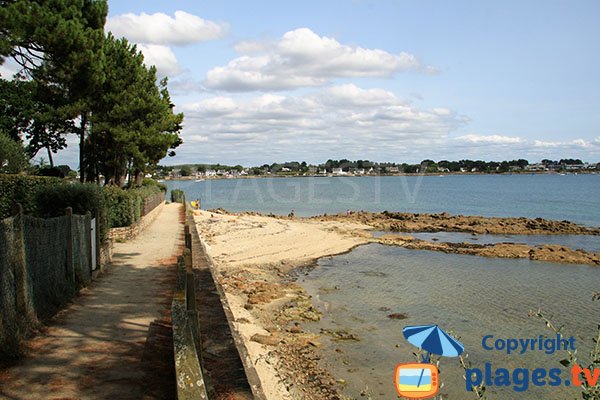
[(391, 81)]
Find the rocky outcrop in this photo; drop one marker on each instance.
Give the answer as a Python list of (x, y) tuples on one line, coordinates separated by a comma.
[(549, 253), (411, 222)]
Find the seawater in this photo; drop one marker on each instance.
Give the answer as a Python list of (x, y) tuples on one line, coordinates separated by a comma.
[(572, 197), (468, 295)]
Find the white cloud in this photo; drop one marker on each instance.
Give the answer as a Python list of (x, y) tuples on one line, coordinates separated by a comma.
[(571, 144), (160, 28), (493, 139), (302, 58), (342, 121), (162, 57)]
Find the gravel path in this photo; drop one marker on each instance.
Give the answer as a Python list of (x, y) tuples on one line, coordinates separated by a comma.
[(114, 341)]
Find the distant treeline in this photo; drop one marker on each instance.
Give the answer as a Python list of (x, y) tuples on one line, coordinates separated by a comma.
[(372, 167)]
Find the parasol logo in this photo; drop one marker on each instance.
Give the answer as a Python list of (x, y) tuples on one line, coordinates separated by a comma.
[(421, 380), (416, 381)]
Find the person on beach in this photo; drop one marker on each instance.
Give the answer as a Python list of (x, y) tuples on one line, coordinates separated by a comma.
[(197, 205), (291, 214), (348, 212)]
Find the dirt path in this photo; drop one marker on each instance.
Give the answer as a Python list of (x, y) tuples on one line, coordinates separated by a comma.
[(114, 341)]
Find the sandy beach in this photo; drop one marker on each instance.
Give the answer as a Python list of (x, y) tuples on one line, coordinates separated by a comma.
[(253, 255)]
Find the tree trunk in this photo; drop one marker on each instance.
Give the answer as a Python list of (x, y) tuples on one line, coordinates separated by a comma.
[(50, 157), (139, 177), (82, 147)]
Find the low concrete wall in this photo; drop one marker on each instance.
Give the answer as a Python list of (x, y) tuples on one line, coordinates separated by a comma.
[(200, 251), (130, 232)]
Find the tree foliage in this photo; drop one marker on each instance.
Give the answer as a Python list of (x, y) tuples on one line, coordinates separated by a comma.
[(76, 74), (12, 155), (133, 123)]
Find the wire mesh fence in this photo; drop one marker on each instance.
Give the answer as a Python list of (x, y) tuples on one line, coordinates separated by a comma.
[(151, 202), (42, 264)]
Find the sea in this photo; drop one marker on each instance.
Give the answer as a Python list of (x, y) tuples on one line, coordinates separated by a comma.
[(484, 302)]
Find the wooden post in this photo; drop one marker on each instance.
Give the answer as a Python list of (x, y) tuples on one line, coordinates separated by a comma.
[(70, 267), (98, 239), (23, 301), (89, 240)]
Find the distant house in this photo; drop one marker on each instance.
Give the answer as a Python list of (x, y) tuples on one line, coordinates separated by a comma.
[(322, 171), (574, 166), (535, 167), (286, 169), (338, 171), (443, 169), (357, 171), (392, 170), (210, 172), (221, 172), (312, 169)]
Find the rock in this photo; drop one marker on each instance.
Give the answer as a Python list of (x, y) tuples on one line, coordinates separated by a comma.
[(398, 316), (264, 339), (340, 334)]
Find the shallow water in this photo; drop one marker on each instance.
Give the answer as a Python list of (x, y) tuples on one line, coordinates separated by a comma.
[(471, 296), (589, 243), (572, 197)]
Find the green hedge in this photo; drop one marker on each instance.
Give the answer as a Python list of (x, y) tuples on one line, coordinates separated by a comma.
[(126, 206), (47, 197), (152, 182), (21, 189), (52, 200)]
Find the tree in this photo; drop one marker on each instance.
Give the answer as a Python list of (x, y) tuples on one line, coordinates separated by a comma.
[(133, 124), (185, 170), (29, 111), (58, 43), (12, 155)]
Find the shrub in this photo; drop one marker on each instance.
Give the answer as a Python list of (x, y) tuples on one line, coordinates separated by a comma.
[(126, 205), (176, 196), (51, 171), (52, 200), (152, 182), (21, 189), (12, 155)]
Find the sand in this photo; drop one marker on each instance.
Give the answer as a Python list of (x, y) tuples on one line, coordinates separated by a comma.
[(242, 240), (253, 254)]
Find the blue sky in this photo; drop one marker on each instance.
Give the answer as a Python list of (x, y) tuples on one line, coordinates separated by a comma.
[(400, 81)]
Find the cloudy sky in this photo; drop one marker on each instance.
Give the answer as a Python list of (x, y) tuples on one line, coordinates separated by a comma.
[(385, 80)]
